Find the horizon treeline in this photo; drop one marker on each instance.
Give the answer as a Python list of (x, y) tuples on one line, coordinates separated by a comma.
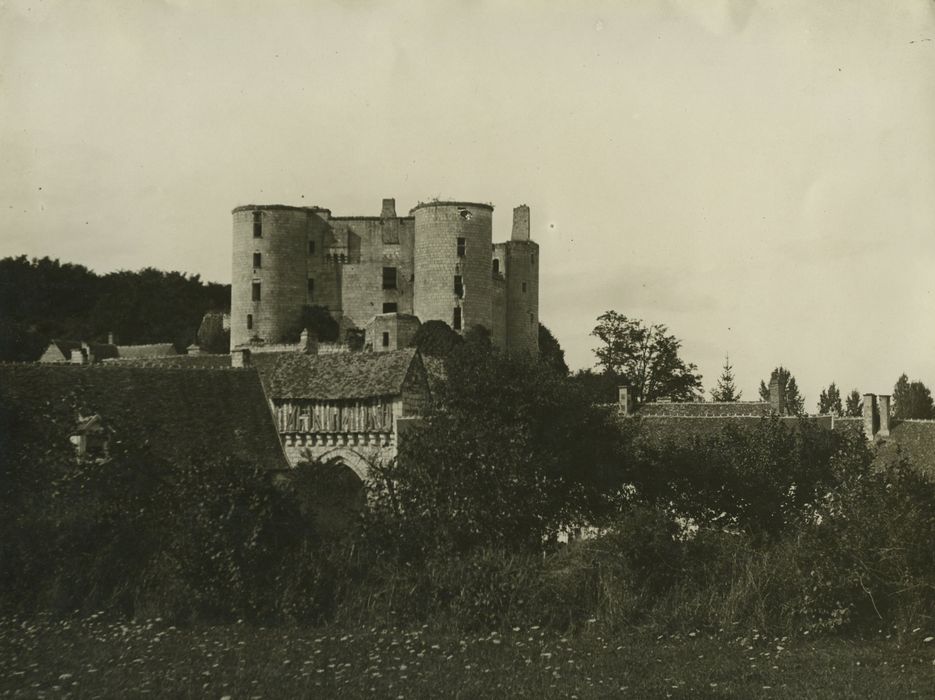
[(43, 299)]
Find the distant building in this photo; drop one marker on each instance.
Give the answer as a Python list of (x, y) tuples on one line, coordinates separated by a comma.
[(82, 353), (438, 263)]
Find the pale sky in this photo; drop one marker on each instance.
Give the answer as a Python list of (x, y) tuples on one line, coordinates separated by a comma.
[(759, 176)]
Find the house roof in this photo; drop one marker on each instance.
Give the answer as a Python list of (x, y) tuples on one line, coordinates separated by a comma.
[(683, 429), (152, 350), (178, 414), (100, 351), (913, 439), (200, 361), (706, 408), (337, 376)]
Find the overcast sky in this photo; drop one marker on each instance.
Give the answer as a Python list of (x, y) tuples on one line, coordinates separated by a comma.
[(758, 176)]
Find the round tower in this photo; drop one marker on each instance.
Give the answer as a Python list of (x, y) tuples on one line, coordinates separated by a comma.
[(452, 259), (269, 274)]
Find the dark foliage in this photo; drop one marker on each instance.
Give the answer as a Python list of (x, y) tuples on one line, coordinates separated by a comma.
[(602, 387), (41, 299), (318, 320), (550, 352), (726, 389), (436, 338), (912, 399), (794, 401)]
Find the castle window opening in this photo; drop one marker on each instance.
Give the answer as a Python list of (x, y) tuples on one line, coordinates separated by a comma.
[(456, 321), (249, 322), (311, 288), (532, 258), (257, 224), (257, 260), (465, 214), (459, 286), (496, 266), (461, 246), (390, 307), (256, 291), (524, 287), (389, 278), (386, 339), (311, 247), (530, 318)]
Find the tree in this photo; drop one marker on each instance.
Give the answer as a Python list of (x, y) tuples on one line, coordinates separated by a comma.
[(726, 390), (852, 407), (794, 401), (830, 400), (646, 357), (912, 400), (509, 454), (550, 352), (318, 320), (436, 338)]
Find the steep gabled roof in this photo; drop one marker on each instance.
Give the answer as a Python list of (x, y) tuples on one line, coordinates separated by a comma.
[(355, 375), (177, 414)]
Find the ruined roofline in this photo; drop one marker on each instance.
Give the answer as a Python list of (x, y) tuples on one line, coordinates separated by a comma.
[(445, 203), (278, 207)]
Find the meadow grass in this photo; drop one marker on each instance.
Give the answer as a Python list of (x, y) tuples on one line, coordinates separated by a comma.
[(93, 657)]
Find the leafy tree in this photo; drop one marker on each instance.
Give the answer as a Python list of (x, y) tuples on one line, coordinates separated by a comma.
[(912, 399), (509, 454), (852, 406), (601, 387), (436, 338), (726, 390), (550, 352), (318, 320), (647, 357), (830, 400), (794, 401), (212, 336)]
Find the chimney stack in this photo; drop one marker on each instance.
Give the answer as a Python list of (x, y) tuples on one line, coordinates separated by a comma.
[(520, 223), (777, 396), (623, 399), (308, 342), (869, 417), (389, 209), (884, 410), (240, 357)]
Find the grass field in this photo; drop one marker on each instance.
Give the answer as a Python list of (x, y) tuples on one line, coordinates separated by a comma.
[(94, 658)]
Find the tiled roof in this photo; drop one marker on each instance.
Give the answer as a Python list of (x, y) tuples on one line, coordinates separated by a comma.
[(175, 362), (706, 408), (178, 414), (153, 350), (913, 439), (354, 375), (686, 428)]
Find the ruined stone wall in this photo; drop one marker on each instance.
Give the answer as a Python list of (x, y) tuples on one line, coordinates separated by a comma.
[(522, 296), (281, 273), (438, 225)]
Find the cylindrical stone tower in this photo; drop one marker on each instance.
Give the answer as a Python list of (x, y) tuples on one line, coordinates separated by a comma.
[(452, 259), (269, 274)]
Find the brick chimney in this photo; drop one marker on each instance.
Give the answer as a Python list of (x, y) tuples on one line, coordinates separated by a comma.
[(777, 396), (883, 407), (240, 357), (389, 209), (623, 399), (869, 416), (520, 223)]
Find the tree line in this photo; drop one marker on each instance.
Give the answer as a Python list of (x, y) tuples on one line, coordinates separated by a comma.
[(42, 299)]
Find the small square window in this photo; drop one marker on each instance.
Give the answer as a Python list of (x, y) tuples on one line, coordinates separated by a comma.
[(386, 339), (256, 291), (311, 247), (257, 224), (257, 259), (311, 288), (462, 244), (496, 266), (389, 278), (459, 286), (390, 307), (457, 319), (249, 322)]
